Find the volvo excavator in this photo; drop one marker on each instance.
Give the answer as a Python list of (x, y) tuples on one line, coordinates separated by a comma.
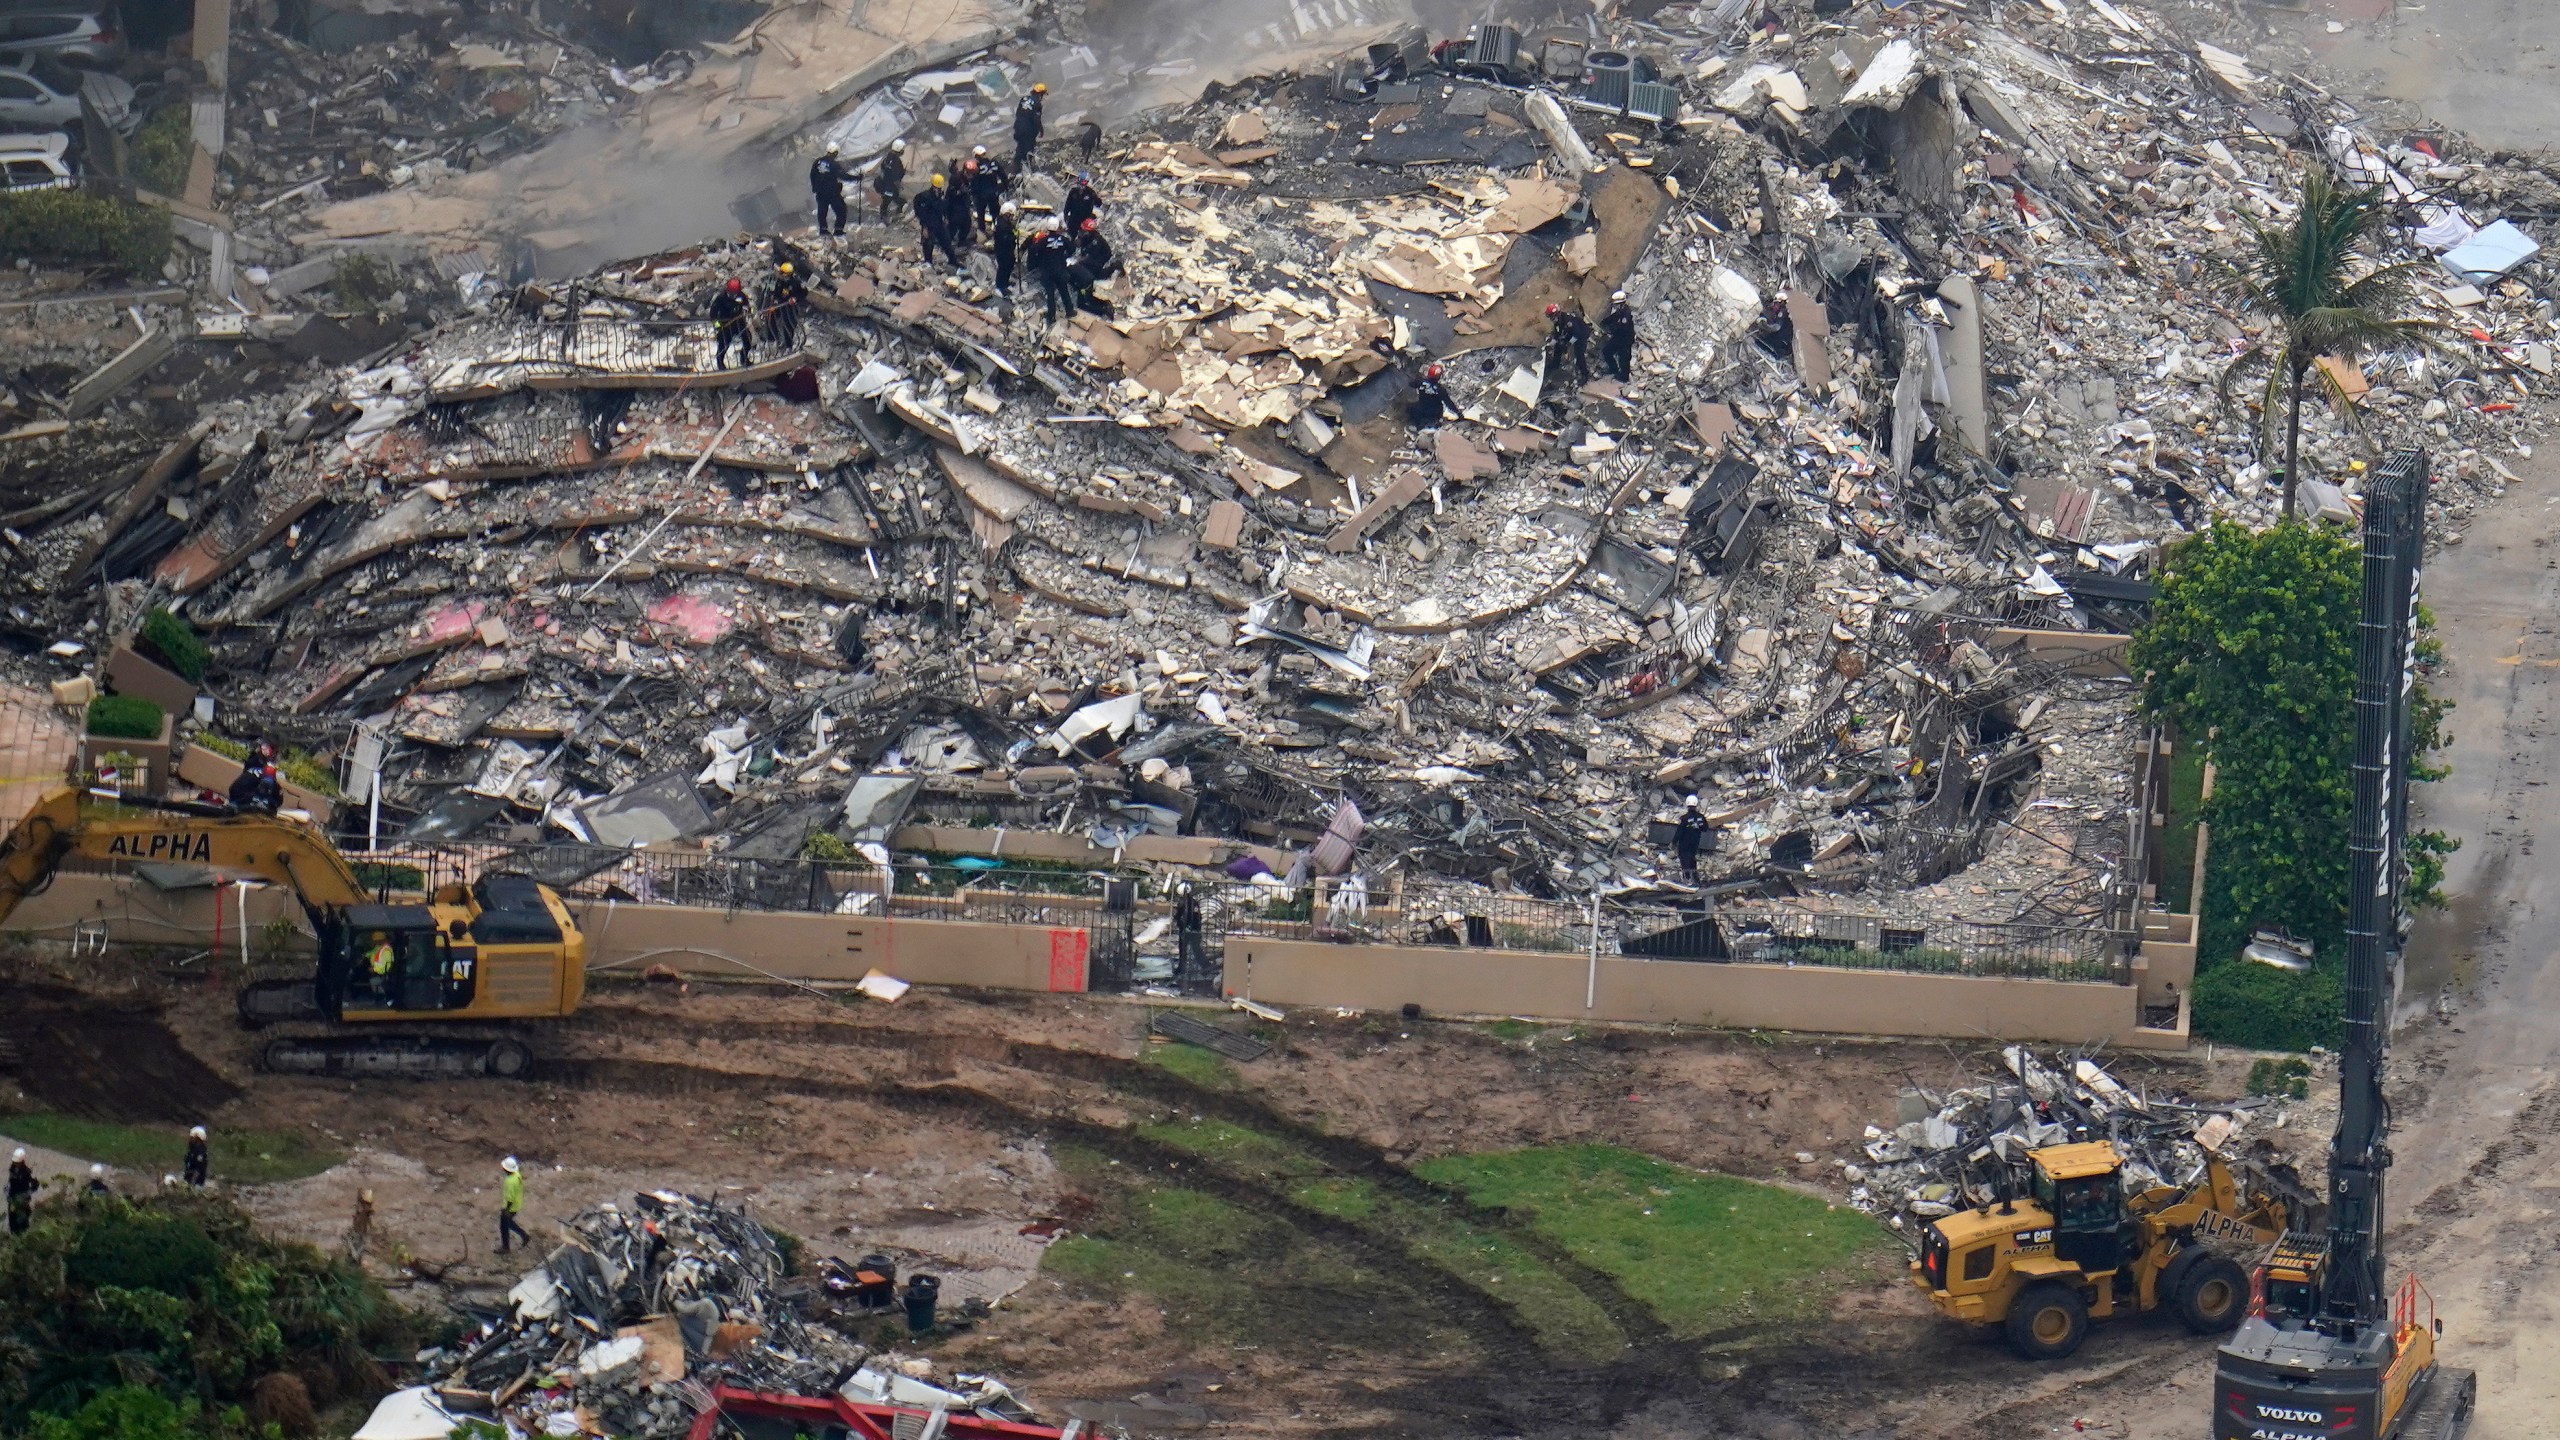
[(2329, 1351), (439, 988)]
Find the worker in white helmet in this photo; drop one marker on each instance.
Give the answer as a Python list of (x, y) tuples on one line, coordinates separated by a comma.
[(199, 1165), (1690, 840), (826, 186), (1618, 339), (22, 1191), (510, 1204)]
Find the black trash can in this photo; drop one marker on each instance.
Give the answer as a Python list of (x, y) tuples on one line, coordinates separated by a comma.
[(923, 1291)]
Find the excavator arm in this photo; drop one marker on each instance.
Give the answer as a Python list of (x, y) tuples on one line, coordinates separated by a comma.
[(67, 822)]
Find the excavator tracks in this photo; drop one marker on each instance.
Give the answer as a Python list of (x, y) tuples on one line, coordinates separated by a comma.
[(2444, 1407), (398, 1056)]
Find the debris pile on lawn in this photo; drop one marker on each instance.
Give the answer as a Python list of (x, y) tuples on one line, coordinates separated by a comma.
[(1968, 1146), (619, 1330)]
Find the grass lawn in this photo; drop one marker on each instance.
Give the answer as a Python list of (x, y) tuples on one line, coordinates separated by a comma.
[(249, 1157), (1702, 1251), (1205, 1068)]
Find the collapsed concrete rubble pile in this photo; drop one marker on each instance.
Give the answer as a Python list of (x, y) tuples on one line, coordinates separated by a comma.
[(624, 1328), (1967, 1146), (1926, 374)]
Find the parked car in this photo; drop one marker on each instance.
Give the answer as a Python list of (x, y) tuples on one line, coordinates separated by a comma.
[(89, 36), (36, 162), (38, 92)]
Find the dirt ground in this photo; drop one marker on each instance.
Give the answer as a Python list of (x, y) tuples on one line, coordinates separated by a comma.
[(938, 1129)]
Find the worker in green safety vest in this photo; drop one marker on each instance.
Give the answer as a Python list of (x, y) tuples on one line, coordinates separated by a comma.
[(510, 1204)]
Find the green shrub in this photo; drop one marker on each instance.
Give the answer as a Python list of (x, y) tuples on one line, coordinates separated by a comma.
[(125, 717), (144, 1252), (311, 773), (375, 875), (71, 227), (2240, 1002), (127, 1412), (172, 642), (827, 848), (159, 152), (222, 745)]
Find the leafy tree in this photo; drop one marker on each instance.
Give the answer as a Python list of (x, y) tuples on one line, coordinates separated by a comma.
[(2250, 652), (2314, 284)]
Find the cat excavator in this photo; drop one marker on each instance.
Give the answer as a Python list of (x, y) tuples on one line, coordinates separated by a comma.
[(436, 988)]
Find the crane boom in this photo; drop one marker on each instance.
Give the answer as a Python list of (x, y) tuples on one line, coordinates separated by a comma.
[(68, 822), (2328, 1352)]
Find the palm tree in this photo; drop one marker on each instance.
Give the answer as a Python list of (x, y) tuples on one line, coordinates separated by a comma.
[(2304, 278)]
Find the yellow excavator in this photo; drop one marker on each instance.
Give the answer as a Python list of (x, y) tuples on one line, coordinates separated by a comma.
[(437, 988), (2077, 1249)]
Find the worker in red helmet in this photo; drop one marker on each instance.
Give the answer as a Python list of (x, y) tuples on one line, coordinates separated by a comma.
[(1430, 401), (1568, 334), (729, 316), (1095, 261)]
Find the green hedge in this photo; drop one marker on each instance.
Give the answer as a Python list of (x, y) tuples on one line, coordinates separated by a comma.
[(125, 717), (69, 227), (160, 152), (173, 643)]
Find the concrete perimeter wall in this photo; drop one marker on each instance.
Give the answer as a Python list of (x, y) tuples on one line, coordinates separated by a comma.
[(1767, 997), (748, 943), (737, 943)]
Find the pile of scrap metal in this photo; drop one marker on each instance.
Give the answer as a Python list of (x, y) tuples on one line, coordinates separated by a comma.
[(1968, 1146), (620, 1327)]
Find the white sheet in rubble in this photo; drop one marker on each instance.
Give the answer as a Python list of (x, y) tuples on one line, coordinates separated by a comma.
[(870, 126), (411, 1414), (612, 1355), (876, 1387), (536, 1296)]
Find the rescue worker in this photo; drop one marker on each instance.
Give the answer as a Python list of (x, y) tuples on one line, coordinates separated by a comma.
[(1050, 251), (1568, 334), (1006, 238), (1430, 401), (729, 314), (1095, 261), (1081, 204), (933, 222), (1691, 840), (1618, 339), (889, 179), (826, 186), (784, 297), (22, 1192), (1191, 958), (379, 962), (511, 1204), (1027, 123), (97, 1186), (987, 187), (959, 212), (199, 1162), (259, 790), (360, 1226)]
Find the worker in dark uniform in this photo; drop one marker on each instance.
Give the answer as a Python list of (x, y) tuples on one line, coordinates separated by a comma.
[(889, 179), (22, 1192), (1028, 121), (986, 187), (1191, 960), (785, 295), (1094, 257), (729, 317), (1430, 401), (97, 1188), (933, 220), (259, 790), (1568, 334), (1691, 839), (199, 1162), (1051, 249), (1618, 338), (1006, 240), (1081, 204), (826, 186), (959, 212)]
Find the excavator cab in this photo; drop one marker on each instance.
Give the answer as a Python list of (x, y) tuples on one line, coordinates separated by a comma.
[(393, 958), (2082, 1188)]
